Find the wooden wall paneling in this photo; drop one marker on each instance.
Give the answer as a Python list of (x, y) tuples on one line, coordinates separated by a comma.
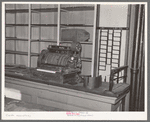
[(22, 18), (36, 6), (89, 18), (9, 6), (35, 33), (86, 68), (64, 17), (10, 32), (10, 18), (87, 51), (35, 47), (22, 6), (9, 45), (34, 61), (21, 32), (22, 46), (48, 5), (22, 59), (44, 45), (9, 59), (36, 17)]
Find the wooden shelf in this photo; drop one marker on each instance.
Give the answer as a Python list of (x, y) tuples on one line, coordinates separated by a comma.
[(86, 59), (17, 11), (20, 53), (20, 39), (64, 9), (90, 43), (54, 25), (45, 40), (16, 52), (37, 54), (76, 25), (35, 25), (48, 40), (79, 8), (13, 25), (11, 38)]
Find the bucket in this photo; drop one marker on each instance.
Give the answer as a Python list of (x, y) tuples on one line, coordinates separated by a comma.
[(92, 82)]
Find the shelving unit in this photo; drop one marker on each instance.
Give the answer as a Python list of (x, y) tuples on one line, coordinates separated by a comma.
[(31, 25), (99, 58)]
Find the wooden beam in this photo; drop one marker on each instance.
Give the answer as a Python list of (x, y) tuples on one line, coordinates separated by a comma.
[(58, 24), (29, 37), (127, 37), (15, 36), (39, 42), (95, 41)]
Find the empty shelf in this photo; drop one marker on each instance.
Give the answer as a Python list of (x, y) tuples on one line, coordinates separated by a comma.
[(76, 25), (20, 39), (17, 11), (9, 38), (35, 25), (16, 52), (9, 25), (20, 53), (86, 59), (77, 8)]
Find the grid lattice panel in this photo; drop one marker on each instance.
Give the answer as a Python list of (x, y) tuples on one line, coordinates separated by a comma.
[(109, 49)]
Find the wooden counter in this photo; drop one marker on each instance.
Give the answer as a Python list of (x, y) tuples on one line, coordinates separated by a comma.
[(64, 98)]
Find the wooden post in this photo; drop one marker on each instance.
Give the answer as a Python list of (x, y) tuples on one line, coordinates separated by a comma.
[(29, 37), (15, 36), (95, 48), (39, 43), (58, 24), (127, 35)]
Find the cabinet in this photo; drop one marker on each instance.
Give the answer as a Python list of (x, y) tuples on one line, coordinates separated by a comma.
[(64, 98), (32, 23)]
